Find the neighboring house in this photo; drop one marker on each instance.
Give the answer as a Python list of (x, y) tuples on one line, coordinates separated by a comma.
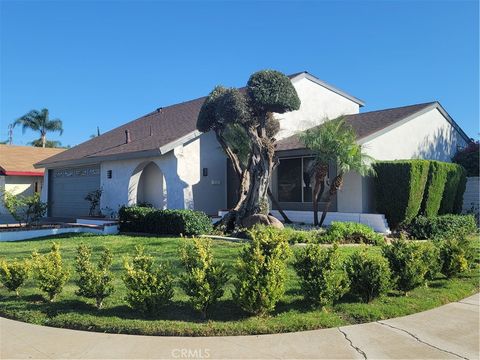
[(17, 173), (162, 159)]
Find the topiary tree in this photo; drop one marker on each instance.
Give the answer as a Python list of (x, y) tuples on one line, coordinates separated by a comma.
[(250, 114)]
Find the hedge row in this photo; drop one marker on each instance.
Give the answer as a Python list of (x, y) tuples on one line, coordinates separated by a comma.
[(442, 226), (407, 188), (399, 189), (164, 222)]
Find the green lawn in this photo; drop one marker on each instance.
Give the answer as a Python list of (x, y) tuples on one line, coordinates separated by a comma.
[(292, 314)]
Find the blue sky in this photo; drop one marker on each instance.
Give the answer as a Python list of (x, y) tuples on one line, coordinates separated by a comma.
[(105, 63)]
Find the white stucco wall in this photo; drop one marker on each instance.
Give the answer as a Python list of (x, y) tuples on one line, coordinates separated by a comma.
[(317, 104), (183, 185), (427, 136)]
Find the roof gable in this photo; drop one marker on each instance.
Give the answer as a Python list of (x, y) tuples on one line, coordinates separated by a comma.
[(371, 124)]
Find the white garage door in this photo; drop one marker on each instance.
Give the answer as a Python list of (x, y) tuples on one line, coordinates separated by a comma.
[(67, 190)]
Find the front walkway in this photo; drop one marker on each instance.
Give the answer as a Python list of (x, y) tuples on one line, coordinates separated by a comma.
[(448, 332)]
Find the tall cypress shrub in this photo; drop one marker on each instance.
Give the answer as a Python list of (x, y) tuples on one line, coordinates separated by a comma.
[(399, 191), (437, 176), (455, 174), (462, 185)]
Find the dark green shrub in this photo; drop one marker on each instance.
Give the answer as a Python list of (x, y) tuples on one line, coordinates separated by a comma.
[(322, 278), (13, 274), (437, 176), (453, 185), (261, 271), (422, 228), (164, 222), (132, 218), (149, 287), (369, 275), (94, 282), (456, 254), (462, 185), (406, 263), (50, 272), (399, 188), (204, 280), (431, 259), (350, 233), (469, 158)]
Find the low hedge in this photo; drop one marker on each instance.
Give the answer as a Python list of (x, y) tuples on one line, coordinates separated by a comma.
[(423, 227), (350, 233), (399, 191), (164, 222)]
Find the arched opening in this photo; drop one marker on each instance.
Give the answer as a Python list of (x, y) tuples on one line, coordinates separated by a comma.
[(148, 186)]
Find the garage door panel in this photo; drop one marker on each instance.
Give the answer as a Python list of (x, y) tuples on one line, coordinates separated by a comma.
[(68, 188)]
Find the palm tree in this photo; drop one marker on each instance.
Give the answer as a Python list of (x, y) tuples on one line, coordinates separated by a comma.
[(39, 121), (333, 142)]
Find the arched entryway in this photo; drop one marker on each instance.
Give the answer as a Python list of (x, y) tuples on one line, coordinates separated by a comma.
[(147, 185)]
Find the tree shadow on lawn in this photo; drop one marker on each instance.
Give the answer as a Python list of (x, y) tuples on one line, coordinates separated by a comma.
[(223, 311)]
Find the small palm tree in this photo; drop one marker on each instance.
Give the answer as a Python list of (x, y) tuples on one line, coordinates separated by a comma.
[(39, 121), (333, 142)]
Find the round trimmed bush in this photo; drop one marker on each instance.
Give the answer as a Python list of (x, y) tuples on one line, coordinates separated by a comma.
[(369, 275)]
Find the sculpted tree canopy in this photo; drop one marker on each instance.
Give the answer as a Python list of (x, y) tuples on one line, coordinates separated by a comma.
[(245, 127)]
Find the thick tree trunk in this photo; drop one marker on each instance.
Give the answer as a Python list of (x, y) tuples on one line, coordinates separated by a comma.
[(334, 187), (259, 170), (44, 140)]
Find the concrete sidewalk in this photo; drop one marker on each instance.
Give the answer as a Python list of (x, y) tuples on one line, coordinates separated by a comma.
[(448, 332)]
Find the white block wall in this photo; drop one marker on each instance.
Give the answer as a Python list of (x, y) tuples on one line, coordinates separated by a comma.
[(471, 195)]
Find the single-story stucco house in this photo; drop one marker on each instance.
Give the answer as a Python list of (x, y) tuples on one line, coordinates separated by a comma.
[(17, 173), (162, 159)]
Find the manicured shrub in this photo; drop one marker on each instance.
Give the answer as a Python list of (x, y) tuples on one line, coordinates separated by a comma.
[(406, 263), (13, 274), (369, 275), (437, 177), (132, 218), (204, 280), (469, 158), (431, 259), (351, 233), (94, 282), (462, 186), (456, 254), (164, 222), (453, 186), (442, 226), (50, 272), (261, 271), (322, 278), (149, 287), (399, 189)]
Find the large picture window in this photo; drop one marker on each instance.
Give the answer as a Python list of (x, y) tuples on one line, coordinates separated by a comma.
[(294, 182)]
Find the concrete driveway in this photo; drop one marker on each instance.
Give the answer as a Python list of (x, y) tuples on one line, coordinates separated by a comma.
[(448, 332)]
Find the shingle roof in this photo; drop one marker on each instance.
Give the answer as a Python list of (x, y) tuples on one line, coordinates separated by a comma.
[(148, 133), (20, 159), (364, 124)]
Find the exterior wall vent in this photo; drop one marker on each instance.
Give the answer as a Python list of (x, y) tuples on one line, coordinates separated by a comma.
[(109, 174)]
